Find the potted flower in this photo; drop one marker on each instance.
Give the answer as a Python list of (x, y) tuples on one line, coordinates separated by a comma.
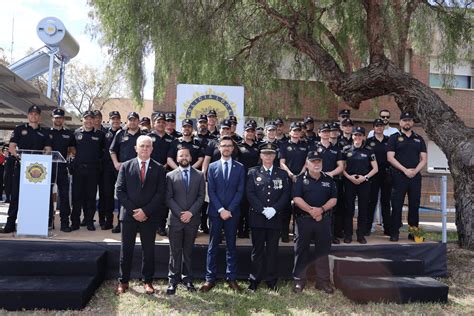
[(417, 232)]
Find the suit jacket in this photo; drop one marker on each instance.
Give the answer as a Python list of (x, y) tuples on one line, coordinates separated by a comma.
[(179, 200), (264, 190), (132, 194), (226, 194)]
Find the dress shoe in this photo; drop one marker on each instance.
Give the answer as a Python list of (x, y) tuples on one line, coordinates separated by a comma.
[(325, 287), (65, 229), (83, 223), (116, 229), (336, 241), (298, 287), (190, 287), (171, 290), (386, 233), (161, 231), (393, 238), (205, 230), (74, 227), (149, 289), (367, 234), (8, 229), (234, 286), (253, 285), (285, 238), (361, 240), (347, 240), (106, 226), (90, 227), (121, 288), (207, 286)]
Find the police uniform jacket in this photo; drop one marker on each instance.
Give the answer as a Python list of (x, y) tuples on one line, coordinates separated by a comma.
[(26, 137), (264, 190)]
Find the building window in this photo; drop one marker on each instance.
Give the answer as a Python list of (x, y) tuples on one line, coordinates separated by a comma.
[(456, 81)]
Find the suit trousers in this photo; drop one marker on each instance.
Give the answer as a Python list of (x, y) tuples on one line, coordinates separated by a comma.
[(379, 183), (230, 230), (204, 207), (244, 216), (129, 232), (182, 237), (264, 255), (362, 192), (403, 185), (307, 229), (84, 189)]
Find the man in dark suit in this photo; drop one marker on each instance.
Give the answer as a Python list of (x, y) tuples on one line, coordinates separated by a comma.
[(185, 191), (140, 188), (226, 180), (268, 193)]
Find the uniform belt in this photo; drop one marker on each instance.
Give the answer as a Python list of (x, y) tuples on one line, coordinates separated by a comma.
[(304, 214)]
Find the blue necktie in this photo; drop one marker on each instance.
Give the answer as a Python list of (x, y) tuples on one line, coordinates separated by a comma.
[(226, 171), (186, 179)]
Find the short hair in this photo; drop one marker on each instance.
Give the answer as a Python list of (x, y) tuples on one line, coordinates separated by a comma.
[(181, 147), (143, 138), (384, 110), (223, 138)]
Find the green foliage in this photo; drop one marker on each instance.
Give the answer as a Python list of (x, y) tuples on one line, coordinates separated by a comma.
[(236, 42)]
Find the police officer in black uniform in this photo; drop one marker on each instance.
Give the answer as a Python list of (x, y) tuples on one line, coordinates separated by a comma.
[(248, 156), (406, 152), (314, 195), (343, 115), (311, 137), (292, 160), (29, 136), (345, 139), (86, 167), (268, 193), (145, 125), (63, 141), (233, 126), (171, 125), (333, 165), (161, 140), (334, 133), (361, 166), (280, 133), (212, 123), (109, 175), (259, 134), (189, 141), (122, 148), (380, 182), (270, 137)]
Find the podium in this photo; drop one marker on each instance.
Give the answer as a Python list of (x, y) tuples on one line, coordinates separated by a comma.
[(35, 187)]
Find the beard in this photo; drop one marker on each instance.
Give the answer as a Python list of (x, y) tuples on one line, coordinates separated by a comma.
[(183, 163), (406, 128)]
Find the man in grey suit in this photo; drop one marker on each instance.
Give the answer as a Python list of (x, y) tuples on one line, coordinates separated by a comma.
[(185, 190)]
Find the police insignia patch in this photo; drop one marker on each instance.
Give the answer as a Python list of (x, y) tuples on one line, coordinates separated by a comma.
[(259, 179), (35, 173), (289, 148), (320, 149), (349, 154), (108, 135), (24, 132), (125, 138), (400, 138), (372, 144), (306, 181), (79, 137)]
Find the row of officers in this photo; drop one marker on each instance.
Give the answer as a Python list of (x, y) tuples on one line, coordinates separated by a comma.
[(384, 166)]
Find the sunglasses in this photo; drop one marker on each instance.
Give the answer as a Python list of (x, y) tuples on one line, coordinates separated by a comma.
[(385, 117)]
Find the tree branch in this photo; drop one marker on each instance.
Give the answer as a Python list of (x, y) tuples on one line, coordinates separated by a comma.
[(375, 29), (251, 41)]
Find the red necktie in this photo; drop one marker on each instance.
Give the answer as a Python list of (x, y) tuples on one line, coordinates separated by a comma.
[(142, 172)]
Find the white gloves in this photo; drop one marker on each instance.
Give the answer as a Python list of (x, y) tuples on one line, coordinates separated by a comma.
[(269, 212)]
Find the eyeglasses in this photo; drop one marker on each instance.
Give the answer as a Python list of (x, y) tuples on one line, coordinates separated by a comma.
[(226, 146), (385, 117)]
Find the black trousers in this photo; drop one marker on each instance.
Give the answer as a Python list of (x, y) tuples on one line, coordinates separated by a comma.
[(182, 239), (204, 225), (264, 255), (163, 217), (243, 227), (100, 202), (307, 229), (286, 214), (84, 190), (339, 210), (129, 232), (2, 171), (107, 196), (61, 178), (8, 176), (14, 196), (362, 192), (402, 185), (379, 183)]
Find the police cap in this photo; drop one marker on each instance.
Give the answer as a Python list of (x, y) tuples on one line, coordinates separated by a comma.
[(34, 108), (133, 115), (378, 121), (406, 116), (202, 118), (314, 155), (268, 148), (187, 122), (324, 127), (347, 121), (358, 130), (114, 114), (58, 113)]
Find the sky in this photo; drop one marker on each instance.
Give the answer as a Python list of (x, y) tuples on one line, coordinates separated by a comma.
[(73, 13)]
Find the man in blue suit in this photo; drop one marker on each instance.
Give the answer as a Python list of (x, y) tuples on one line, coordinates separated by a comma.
[(226, 178)]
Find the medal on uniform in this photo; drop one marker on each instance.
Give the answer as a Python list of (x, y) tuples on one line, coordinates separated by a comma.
[(24, 132), (79, 137), (259, 179), (277, 184), (400, 138), (125, 138), (289, 148), (349, 154)]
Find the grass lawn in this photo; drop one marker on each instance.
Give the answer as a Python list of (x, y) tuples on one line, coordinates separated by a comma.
[(222, 300)]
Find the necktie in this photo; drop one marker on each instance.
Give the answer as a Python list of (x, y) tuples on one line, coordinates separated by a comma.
[(186, 179), (142, 172), (269, 172), (226, 171)]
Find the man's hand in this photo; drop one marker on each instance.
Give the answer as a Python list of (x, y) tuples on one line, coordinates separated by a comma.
[(269, 212), (410, 173), (186, 216), (117, 166), (317, 213), (139, 215), (225, 215)]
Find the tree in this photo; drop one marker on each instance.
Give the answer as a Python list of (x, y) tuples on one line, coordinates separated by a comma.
[(357, 48)]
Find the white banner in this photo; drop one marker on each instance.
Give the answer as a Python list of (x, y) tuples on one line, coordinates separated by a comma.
[(33, 204), (193, 100)]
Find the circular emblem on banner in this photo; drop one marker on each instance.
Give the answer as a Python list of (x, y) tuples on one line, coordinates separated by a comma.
[(35, 173), (24, 132), (108, 135), (349, 154), (289, 148), (125, 138), (203, 102), (320, 149), (306, 181), (79, 136), (259, 178), (400, 138), (372, 144)]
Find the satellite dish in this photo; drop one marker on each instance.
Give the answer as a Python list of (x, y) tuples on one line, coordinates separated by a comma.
[(54, 34)]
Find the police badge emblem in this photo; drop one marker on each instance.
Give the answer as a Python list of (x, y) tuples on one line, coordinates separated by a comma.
[(289, 148), (400, 138), (349, 154), (306, 181), (125, 138), (108, 135), (372, 144), (24, 132), (259, 179), (320, 150), (79, 137)]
